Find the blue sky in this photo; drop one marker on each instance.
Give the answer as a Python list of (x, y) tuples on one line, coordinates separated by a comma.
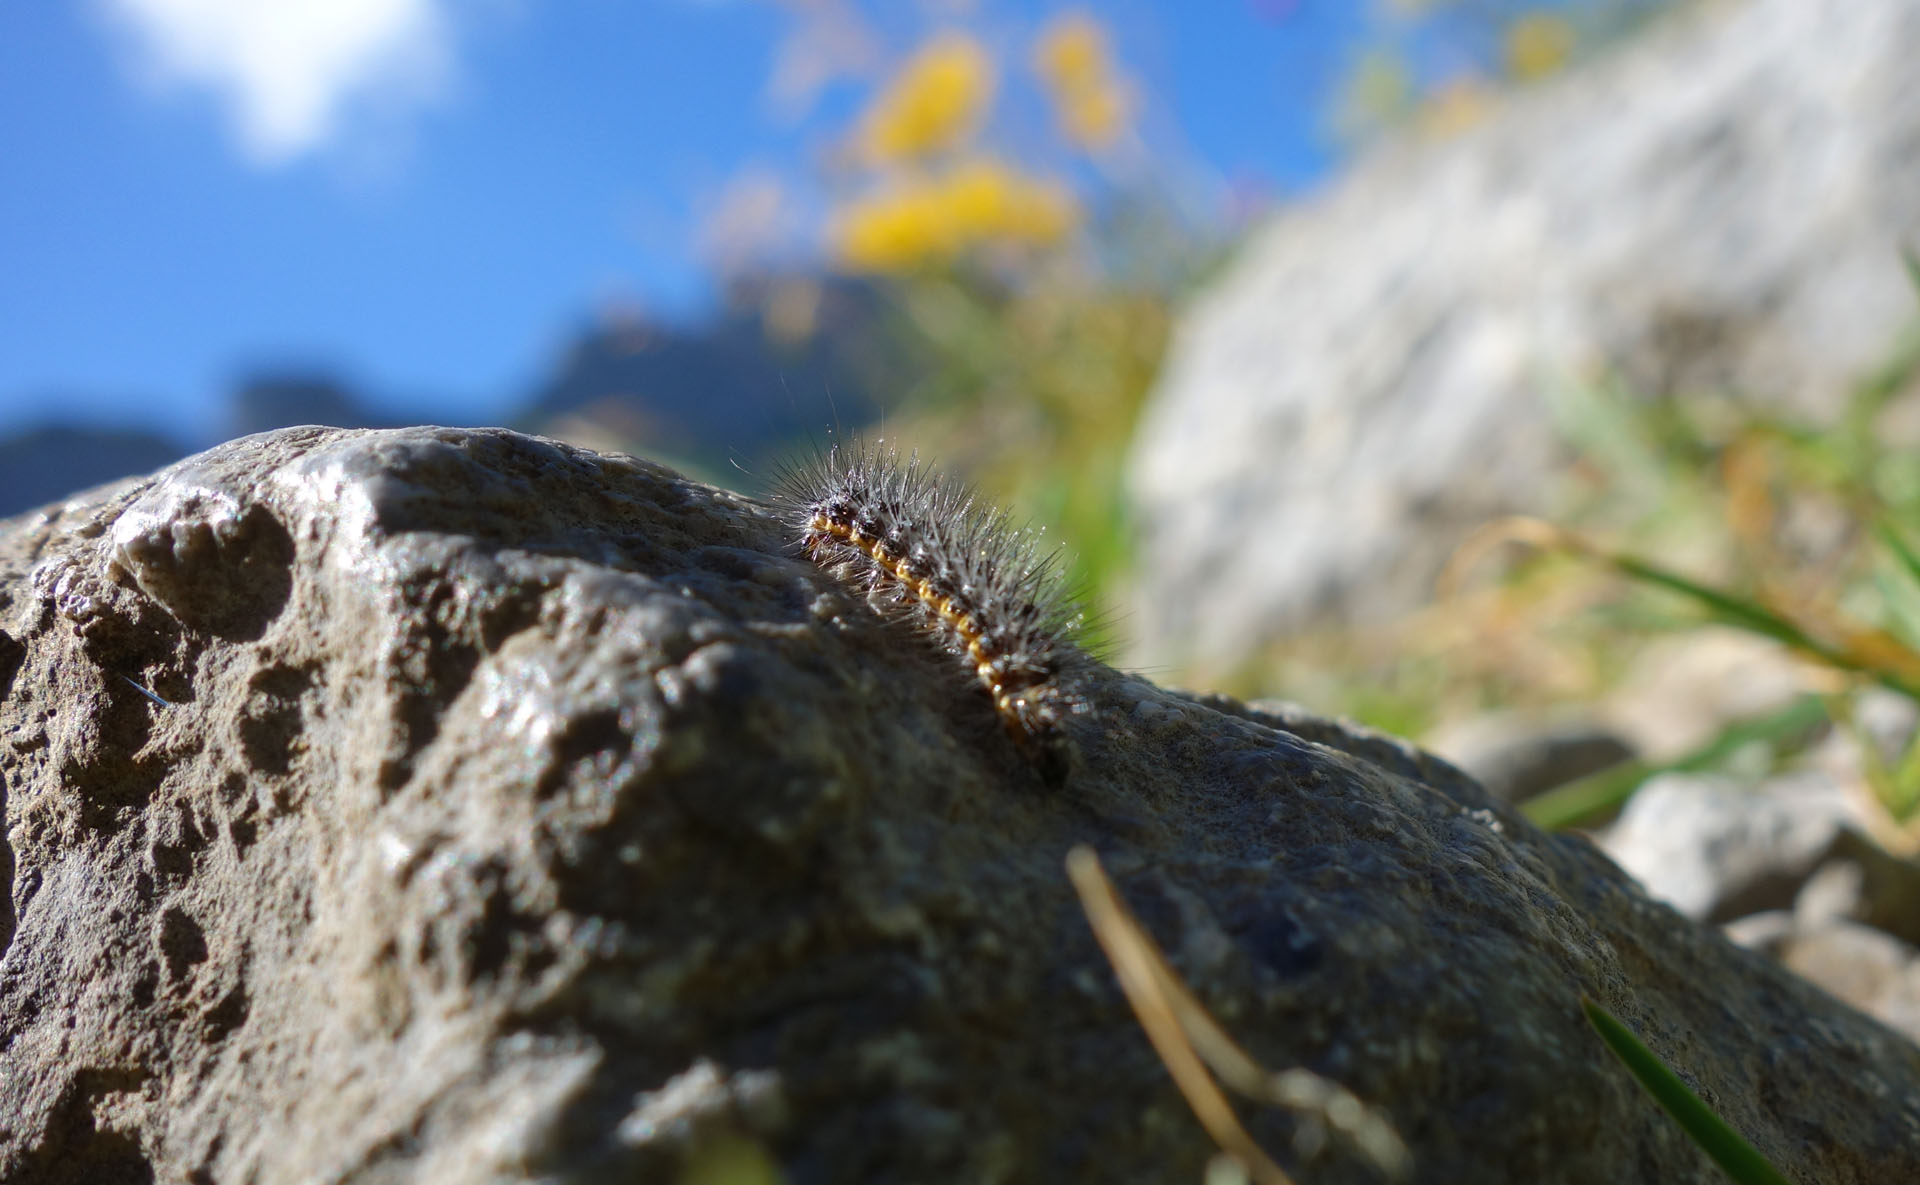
[(433, 206)]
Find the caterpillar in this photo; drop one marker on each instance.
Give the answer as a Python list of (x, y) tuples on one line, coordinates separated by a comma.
[(933, 553)]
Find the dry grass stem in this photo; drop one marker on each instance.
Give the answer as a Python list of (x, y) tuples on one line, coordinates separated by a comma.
[(1190, 1042)]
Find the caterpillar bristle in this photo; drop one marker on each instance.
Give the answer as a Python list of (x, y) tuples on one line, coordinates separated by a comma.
[(926, 549)]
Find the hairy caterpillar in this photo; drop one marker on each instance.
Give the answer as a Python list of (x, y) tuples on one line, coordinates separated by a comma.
[(964, 572)]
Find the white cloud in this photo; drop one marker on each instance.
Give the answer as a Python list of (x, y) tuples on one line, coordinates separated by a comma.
[(290, 71)]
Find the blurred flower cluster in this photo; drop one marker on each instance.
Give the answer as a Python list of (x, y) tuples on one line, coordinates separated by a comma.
[(930, 191), (933, 104), (1538, 44), (1029, 275), (918, 219), (1091, 99)]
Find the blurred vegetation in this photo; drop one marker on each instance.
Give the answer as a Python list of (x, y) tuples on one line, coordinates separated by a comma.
[(1033, 279), (1037, 284), (1031, 266), (1438, 64), (1800, 534), (1039, 303), (1685, 510), (1035, 276)]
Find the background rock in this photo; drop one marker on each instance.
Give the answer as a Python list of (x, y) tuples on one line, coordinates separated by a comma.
[(1852, 929), (433, 805), (1519, 754), (1717, 848), (1720, 206), (1868, 968)]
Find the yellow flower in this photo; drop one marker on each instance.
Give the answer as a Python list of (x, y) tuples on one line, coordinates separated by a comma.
[(922, 221), (1073, 60), (933, 104), (896, 229), (1456, 105), (1538, 44), (1073, 51), (989, 202), (1097, 117)]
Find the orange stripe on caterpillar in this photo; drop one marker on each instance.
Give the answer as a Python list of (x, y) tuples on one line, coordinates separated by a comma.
[(965, 573)]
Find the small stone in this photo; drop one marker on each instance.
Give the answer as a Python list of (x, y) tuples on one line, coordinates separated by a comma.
[(1716, 848), (1869, 969), (1766, 931)]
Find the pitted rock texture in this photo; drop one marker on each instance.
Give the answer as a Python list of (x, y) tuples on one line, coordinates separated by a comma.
[(435, 805), (1716, 210)]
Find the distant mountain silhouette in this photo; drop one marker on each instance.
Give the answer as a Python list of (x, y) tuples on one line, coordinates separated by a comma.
[(283, 399), (46, 464), (787, 356)]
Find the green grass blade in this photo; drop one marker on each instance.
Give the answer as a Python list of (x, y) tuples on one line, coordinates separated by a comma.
[(1713, 1134), (1912, 259), (1612, 431), (1724, 607), (1587, 798), (1900, 597), (1901, 550), (1757, 618), (1579, 801)]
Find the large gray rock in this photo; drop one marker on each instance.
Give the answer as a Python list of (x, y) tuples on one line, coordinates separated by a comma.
[(437, 805), (1719, 207)]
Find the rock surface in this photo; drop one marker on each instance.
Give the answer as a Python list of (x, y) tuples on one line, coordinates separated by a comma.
[(436, 805), (1719, 207)]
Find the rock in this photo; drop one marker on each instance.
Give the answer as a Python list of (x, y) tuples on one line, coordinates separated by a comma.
[(434, 805), (1767, 931), (1719, 207), (1717, 848), (1519, 754), (1835, 891), (1867, 884), (1867, 968), (1851, 931)]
